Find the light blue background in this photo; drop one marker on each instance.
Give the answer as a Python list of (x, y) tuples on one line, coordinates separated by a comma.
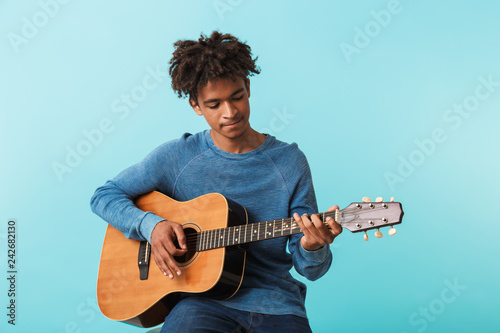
[(355, 116)]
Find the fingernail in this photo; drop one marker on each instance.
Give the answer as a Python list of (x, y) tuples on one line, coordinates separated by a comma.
[(170, 276), (178, 272), (165, 273)]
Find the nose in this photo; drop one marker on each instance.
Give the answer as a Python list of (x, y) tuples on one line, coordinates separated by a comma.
[(230, 111)]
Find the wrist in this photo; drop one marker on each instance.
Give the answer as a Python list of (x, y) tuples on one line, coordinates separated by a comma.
[(309, 247)]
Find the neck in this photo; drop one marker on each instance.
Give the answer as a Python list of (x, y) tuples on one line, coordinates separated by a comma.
[(243, 144), (247, 233)]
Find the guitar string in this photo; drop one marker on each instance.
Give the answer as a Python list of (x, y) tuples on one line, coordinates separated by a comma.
[(192, 240), (287, 220), (212, 238)]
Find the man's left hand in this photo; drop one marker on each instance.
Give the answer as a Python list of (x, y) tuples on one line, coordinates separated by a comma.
[(316, 233)]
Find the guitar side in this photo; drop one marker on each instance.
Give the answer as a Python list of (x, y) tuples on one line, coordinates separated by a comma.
[(216, 273)]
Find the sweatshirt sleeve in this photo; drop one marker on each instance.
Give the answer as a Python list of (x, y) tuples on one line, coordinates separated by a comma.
[(310, 264), (114, 201)]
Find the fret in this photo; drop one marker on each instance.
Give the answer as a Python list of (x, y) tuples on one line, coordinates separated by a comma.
[(223, 237), (268, 233), (216, 238), (212, 238)]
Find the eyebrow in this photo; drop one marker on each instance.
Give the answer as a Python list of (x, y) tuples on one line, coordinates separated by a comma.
[(216, 99)]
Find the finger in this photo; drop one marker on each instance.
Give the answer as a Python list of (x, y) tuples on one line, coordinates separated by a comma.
[(168, 251), (164, 252), (323, 233), (335, 228), (159, 256), (170, 260), (333, 208), (181, 237), (309, 229), (300, 221), (173, 250)]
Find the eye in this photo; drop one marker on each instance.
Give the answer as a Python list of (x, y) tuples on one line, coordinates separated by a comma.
[(215, 106), (238, 98)]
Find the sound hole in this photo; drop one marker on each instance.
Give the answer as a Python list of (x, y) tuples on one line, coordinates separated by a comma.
[(191, 253)]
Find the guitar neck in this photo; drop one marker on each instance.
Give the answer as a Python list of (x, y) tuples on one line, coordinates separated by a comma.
[(247, 233)]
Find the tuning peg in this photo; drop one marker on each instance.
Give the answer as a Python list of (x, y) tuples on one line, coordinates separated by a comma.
[(379, 199), (366, 199), (392, 199), (378, 234), (365, 236), (392, 231)]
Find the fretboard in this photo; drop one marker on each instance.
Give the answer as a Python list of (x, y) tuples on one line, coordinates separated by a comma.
[(246, 233)]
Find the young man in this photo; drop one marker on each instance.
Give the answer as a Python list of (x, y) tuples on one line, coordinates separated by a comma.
[(270, 178)]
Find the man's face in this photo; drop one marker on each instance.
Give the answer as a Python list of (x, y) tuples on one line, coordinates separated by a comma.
[(225, 106)]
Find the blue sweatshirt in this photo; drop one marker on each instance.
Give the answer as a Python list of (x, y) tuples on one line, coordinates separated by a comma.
[(272, 181)]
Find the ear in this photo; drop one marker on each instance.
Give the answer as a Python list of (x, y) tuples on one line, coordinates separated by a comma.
[(247, 83), (196, 107)]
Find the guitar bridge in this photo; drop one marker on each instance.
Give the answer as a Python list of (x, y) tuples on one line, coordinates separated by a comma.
[(143, 259)]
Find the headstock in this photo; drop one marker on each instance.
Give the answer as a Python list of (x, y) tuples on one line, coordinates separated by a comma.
[(367, 215)]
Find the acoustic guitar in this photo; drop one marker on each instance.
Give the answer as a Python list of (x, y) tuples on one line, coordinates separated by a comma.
[(131, 288)]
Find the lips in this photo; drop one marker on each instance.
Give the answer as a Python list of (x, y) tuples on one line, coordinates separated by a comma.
[(234, 123)]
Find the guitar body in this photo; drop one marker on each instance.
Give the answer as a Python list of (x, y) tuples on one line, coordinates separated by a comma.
[(131, 288), (215, 273)]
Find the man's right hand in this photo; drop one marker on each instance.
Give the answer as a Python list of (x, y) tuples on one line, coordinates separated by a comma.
[(162, 244)]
